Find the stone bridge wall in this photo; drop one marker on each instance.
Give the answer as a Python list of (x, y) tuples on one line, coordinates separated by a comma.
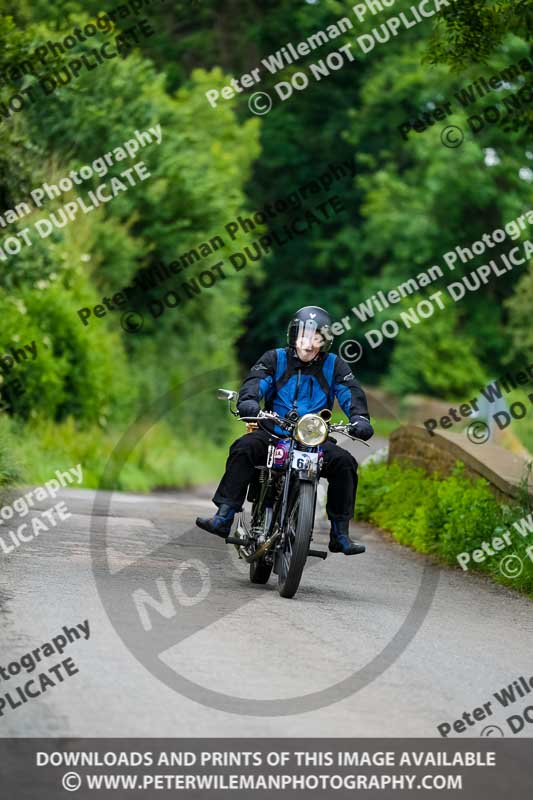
[(438, 453)]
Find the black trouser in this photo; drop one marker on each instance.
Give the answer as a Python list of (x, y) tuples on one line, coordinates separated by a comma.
[(339, 467)]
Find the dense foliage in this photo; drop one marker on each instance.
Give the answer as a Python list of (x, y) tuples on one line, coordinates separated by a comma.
[(99, 375), (444, 517), (411, 201)]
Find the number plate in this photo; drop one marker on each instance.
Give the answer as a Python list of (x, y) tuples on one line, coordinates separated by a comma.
[(304, 460)]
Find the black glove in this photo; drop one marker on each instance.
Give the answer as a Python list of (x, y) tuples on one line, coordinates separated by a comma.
[(248, 408), (361, 427)]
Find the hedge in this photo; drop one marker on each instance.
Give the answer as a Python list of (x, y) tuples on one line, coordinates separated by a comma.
[(444, 516)]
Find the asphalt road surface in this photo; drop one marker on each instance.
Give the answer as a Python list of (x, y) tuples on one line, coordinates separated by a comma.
[(179, 599)]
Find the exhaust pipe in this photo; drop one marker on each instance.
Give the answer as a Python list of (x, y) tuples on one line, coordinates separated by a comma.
[(264, 547)]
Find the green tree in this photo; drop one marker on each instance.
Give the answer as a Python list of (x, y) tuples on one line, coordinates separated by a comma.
[(470, 31), (435, 357), (421, 200), (520, 308), (195, 188)]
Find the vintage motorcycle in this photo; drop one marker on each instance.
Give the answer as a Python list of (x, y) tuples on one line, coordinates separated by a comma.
[(276, 534)]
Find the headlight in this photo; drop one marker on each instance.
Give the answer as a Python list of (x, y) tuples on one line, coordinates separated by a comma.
[(311, 430)]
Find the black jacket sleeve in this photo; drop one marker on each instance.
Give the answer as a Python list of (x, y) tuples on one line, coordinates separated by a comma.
[(348, 391), (259, 379)]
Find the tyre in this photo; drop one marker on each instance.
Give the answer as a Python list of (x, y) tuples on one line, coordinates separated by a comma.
[(292, 559)]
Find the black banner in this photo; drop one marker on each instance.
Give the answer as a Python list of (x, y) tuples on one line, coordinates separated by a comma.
[(321, 768)]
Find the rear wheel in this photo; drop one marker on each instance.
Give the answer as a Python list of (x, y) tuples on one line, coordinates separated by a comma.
[(293, 556)]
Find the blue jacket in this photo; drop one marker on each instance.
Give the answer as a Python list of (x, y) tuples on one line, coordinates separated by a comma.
[(285, 383)]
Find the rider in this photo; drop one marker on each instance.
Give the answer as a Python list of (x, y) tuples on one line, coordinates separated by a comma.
[(305, 378)]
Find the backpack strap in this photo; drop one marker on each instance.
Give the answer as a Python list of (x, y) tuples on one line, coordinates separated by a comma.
[(324, 376), (282, 368)]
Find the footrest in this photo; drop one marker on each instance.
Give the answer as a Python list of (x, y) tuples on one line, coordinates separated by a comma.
[(236, 540), (318, 554)]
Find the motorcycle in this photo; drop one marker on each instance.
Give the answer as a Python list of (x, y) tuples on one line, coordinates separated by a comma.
[(276, 534)]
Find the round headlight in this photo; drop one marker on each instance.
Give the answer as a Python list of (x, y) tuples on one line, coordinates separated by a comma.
[(311, 430)]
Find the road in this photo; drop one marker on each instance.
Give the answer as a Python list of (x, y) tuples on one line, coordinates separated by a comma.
[(221, 633)]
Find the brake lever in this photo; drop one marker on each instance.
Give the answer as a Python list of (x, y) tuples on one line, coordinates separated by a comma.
[(355, 439), (339, 429)]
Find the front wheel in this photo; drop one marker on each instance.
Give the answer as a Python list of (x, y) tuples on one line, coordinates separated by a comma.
[(294, 551)]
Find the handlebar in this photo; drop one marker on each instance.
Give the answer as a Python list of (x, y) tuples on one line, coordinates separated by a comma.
[(272, 416), (343, 428), (289, 426)]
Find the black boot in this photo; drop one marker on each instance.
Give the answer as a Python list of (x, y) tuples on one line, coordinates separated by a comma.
[(221, 523), (339, 539)]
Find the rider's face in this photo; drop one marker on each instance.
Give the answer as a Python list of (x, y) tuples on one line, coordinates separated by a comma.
[(308, 347)]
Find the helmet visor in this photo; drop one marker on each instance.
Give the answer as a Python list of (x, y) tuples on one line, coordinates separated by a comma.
[(307, 335)]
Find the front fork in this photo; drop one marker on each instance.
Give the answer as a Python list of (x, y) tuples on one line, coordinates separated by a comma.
[(281, 507)]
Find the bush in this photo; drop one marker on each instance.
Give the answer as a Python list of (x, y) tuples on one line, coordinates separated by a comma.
[(9, 467), (161, 460), (77, 371), (443, 517)]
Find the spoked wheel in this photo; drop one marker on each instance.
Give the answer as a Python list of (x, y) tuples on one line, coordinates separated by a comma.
[(293, 556)]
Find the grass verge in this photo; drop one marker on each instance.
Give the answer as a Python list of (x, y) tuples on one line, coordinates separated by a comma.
[(446, 516), (31, 454)]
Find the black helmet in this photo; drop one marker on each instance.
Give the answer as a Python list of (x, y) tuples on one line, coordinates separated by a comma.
[(308, 321)]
